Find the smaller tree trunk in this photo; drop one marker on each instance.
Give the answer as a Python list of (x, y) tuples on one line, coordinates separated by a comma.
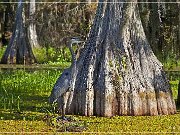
[(7, 14), (32, 27), (19, 50)]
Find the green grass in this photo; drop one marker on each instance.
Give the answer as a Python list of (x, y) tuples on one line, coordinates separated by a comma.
[(24, 107), (169, 123), (49, 56), (134, 124), (31, 89), (62, 57), (23, 99)]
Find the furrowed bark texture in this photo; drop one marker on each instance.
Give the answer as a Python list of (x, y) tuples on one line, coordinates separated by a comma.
[(117, 72)]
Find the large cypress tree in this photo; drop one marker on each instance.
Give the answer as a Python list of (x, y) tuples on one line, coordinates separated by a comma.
[(117, 72)]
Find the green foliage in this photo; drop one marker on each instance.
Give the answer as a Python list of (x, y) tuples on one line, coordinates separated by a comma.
[(50, 56), (2, 50), (40, 55), (10, 101), (53, 56), (24, 107), (170, 61), (174, 77), (19, 87), (174, 87), (142, 124), (117, 124)]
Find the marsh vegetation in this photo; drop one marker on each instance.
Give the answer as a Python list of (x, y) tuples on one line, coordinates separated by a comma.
[(24, 107)]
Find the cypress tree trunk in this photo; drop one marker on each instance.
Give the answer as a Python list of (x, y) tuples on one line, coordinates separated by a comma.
[(32, 27), (154, 29), (6, 22), (117, 72), (19, 50), (151, 14)]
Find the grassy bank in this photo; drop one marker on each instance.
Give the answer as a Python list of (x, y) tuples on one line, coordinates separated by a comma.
[(24, 107), (23, 99), (26, 90)]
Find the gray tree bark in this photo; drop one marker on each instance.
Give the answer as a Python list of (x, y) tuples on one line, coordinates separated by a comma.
[(117, 72), (32, 27), (19, 50)]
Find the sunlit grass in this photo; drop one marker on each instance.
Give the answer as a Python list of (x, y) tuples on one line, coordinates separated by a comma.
[(26, 90), (23, 107), (24, 126), (170, 123)]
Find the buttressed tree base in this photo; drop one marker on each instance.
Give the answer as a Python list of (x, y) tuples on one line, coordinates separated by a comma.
[(117, 72)]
